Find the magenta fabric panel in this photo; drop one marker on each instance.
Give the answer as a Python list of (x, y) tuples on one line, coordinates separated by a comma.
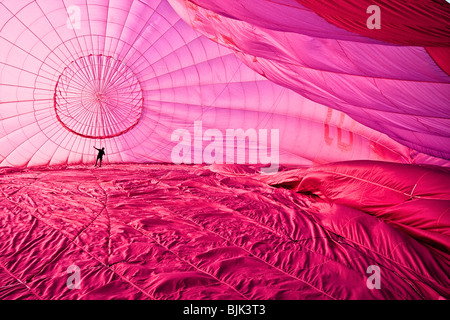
[(398, 90), (344, 20), (281, 15)]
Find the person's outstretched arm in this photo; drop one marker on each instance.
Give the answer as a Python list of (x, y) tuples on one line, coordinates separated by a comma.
[(96, 149)]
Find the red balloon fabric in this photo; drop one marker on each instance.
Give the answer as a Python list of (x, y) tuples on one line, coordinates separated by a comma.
[(414, 199), (399, 18), (219, 232)]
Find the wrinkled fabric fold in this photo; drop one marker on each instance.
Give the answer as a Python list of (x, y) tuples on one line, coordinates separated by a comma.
[(222, 232)]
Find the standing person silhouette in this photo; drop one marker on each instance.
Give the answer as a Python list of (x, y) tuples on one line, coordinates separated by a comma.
[(101, 153)]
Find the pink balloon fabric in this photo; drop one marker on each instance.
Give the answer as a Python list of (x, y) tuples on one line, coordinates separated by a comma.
[(128, 75), (396, 89)]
